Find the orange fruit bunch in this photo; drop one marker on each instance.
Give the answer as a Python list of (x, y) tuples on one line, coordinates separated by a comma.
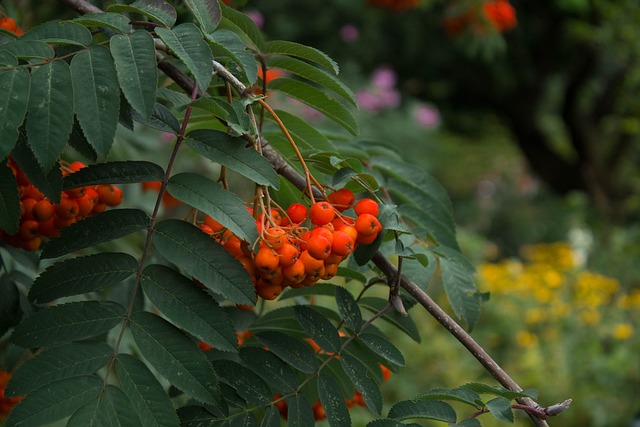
[(303, 245), (40, 218), (496, 15), (9, 24)]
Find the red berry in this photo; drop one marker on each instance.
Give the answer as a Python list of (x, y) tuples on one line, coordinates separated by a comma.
[(321, 213)]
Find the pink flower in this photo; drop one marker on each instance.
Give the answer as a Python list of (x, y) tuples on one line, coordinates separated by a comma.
[(256, 17), (427, 116), (349, 33), (384, 77)]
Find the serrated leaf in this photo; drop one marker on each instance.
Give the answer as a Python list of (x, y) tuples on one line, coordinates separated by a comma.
[(461, 291), (498, 391), (115, 172), (67, 322), (175, 357), (96, 96), (425, 222), (231, 152), (365, 252), (9, 59), (197, 416), (205, 259), (207, 13), (301, 51), (247, 384), (96, 229), (291, 350), (161, 119), (383, 348), (469, 422), (115, 21), (429, 409), (389, 423), (243, 23), (9, 200), (158, 10), (48, 182), (14, 97), (54, 401), (304, 134), (405, 324), (351, 274), (56, 32), (81, 275), (185, 40), (460, 394), (333, 401), (49, 112), (135, 59), (500, 408), (349, 309), (314, 74), (271, 418), (270, 368), (215, 106), (247, 419), (145, 393), (28, 49), (317, 99), (319, 328), (58, 363), (189, 307), (228, 43), (210, 198), (369, 388), (179, 100), (112, 408), (79, 142), (300, 413)]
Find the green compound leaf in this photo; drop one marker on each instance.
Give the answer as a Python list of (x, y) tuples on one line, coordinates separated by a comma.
[(459, 394), (56, 32), (241, 23), (349, 308), (499, 391), (135, 59), (197, 416), (300, 412), (116, 172), (461, 291), (67, 322), (145, 393), (228, 43), (270, 368), (305, 135), (333, 401), (319, 328), (291, 350), (429, 409), (50, 112), (175, 357), (28, 49), (246, 383), (366, 385), (115, 21), (54, 402), (314, 74), (301, 51), (81, 275), (161, 119), (246, 419), (405, 324), (317, 99), (271, 417), (389, 423), (231, 152), (7, 58), (14, 98), (96, 96), (189, 307), (207, 13), (48, 182), (501, 410), (383, 348), (58, 363), (96, 229), (158, 10), (10, 310), (9, 200), (205, 259), (112, 408), (208, 197), (186, 42), (79, 142)]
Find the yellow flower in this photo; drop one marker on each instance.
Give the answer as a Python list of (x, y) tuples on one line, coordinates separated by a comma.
[(526, 339), (622, 331)]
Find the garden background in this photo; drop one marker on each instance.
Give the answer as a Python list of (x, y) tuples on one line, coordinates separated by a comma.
[(532, 125)]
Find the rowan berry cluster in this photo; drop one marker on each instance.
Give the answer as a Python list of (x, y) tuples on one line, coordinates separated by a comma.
[(40, 218), (492, 15), (10, 25), (302, 245)]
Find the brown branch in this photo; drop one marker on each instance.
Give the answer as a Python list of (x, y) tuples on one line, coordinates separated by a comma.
[(288, 172)]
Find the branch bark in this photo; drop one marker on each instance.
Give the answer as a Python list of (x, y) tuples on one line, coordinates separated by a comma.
[(392, 273)]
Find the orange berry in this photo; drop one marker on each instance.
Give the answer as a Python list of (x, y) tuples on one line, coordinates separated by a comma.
[(76, 192), (204, 346), (334, 258), (294, 273), (76, 166), (85, 204), (365, 240), (322, 231), (151, 185), (318, 247), (367, 225), (31, 192), (31, 245), (215, 225), (61, 223), (109, 194), (268, 291), (26, 208), (266, 259), (233, 245), (288, 254), (386, 372), (330, 270), (321, 213), (43, 210), (275, 237), (98, 207), (48, 228), (318, 411), (343, 243), (28, 229), (311, 265), (67, 208), (297, 212), (366, 205), (342, 199), (8, 24), (206, 229)]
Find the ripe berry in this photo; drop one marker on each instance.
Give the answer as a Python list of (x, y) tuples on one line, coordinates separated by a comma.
[(268, 291), (297, 212), (321, 213), (215, 225), (311, 265), (364, 206), (319, 247), (266, 259), (85, 204), (342, 199), (67, 208), (26, 207), (28, 229), (43, 210), (109, 194), (294, 273), (367, 225), (343, 243), (288, 254), (275, 237)]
